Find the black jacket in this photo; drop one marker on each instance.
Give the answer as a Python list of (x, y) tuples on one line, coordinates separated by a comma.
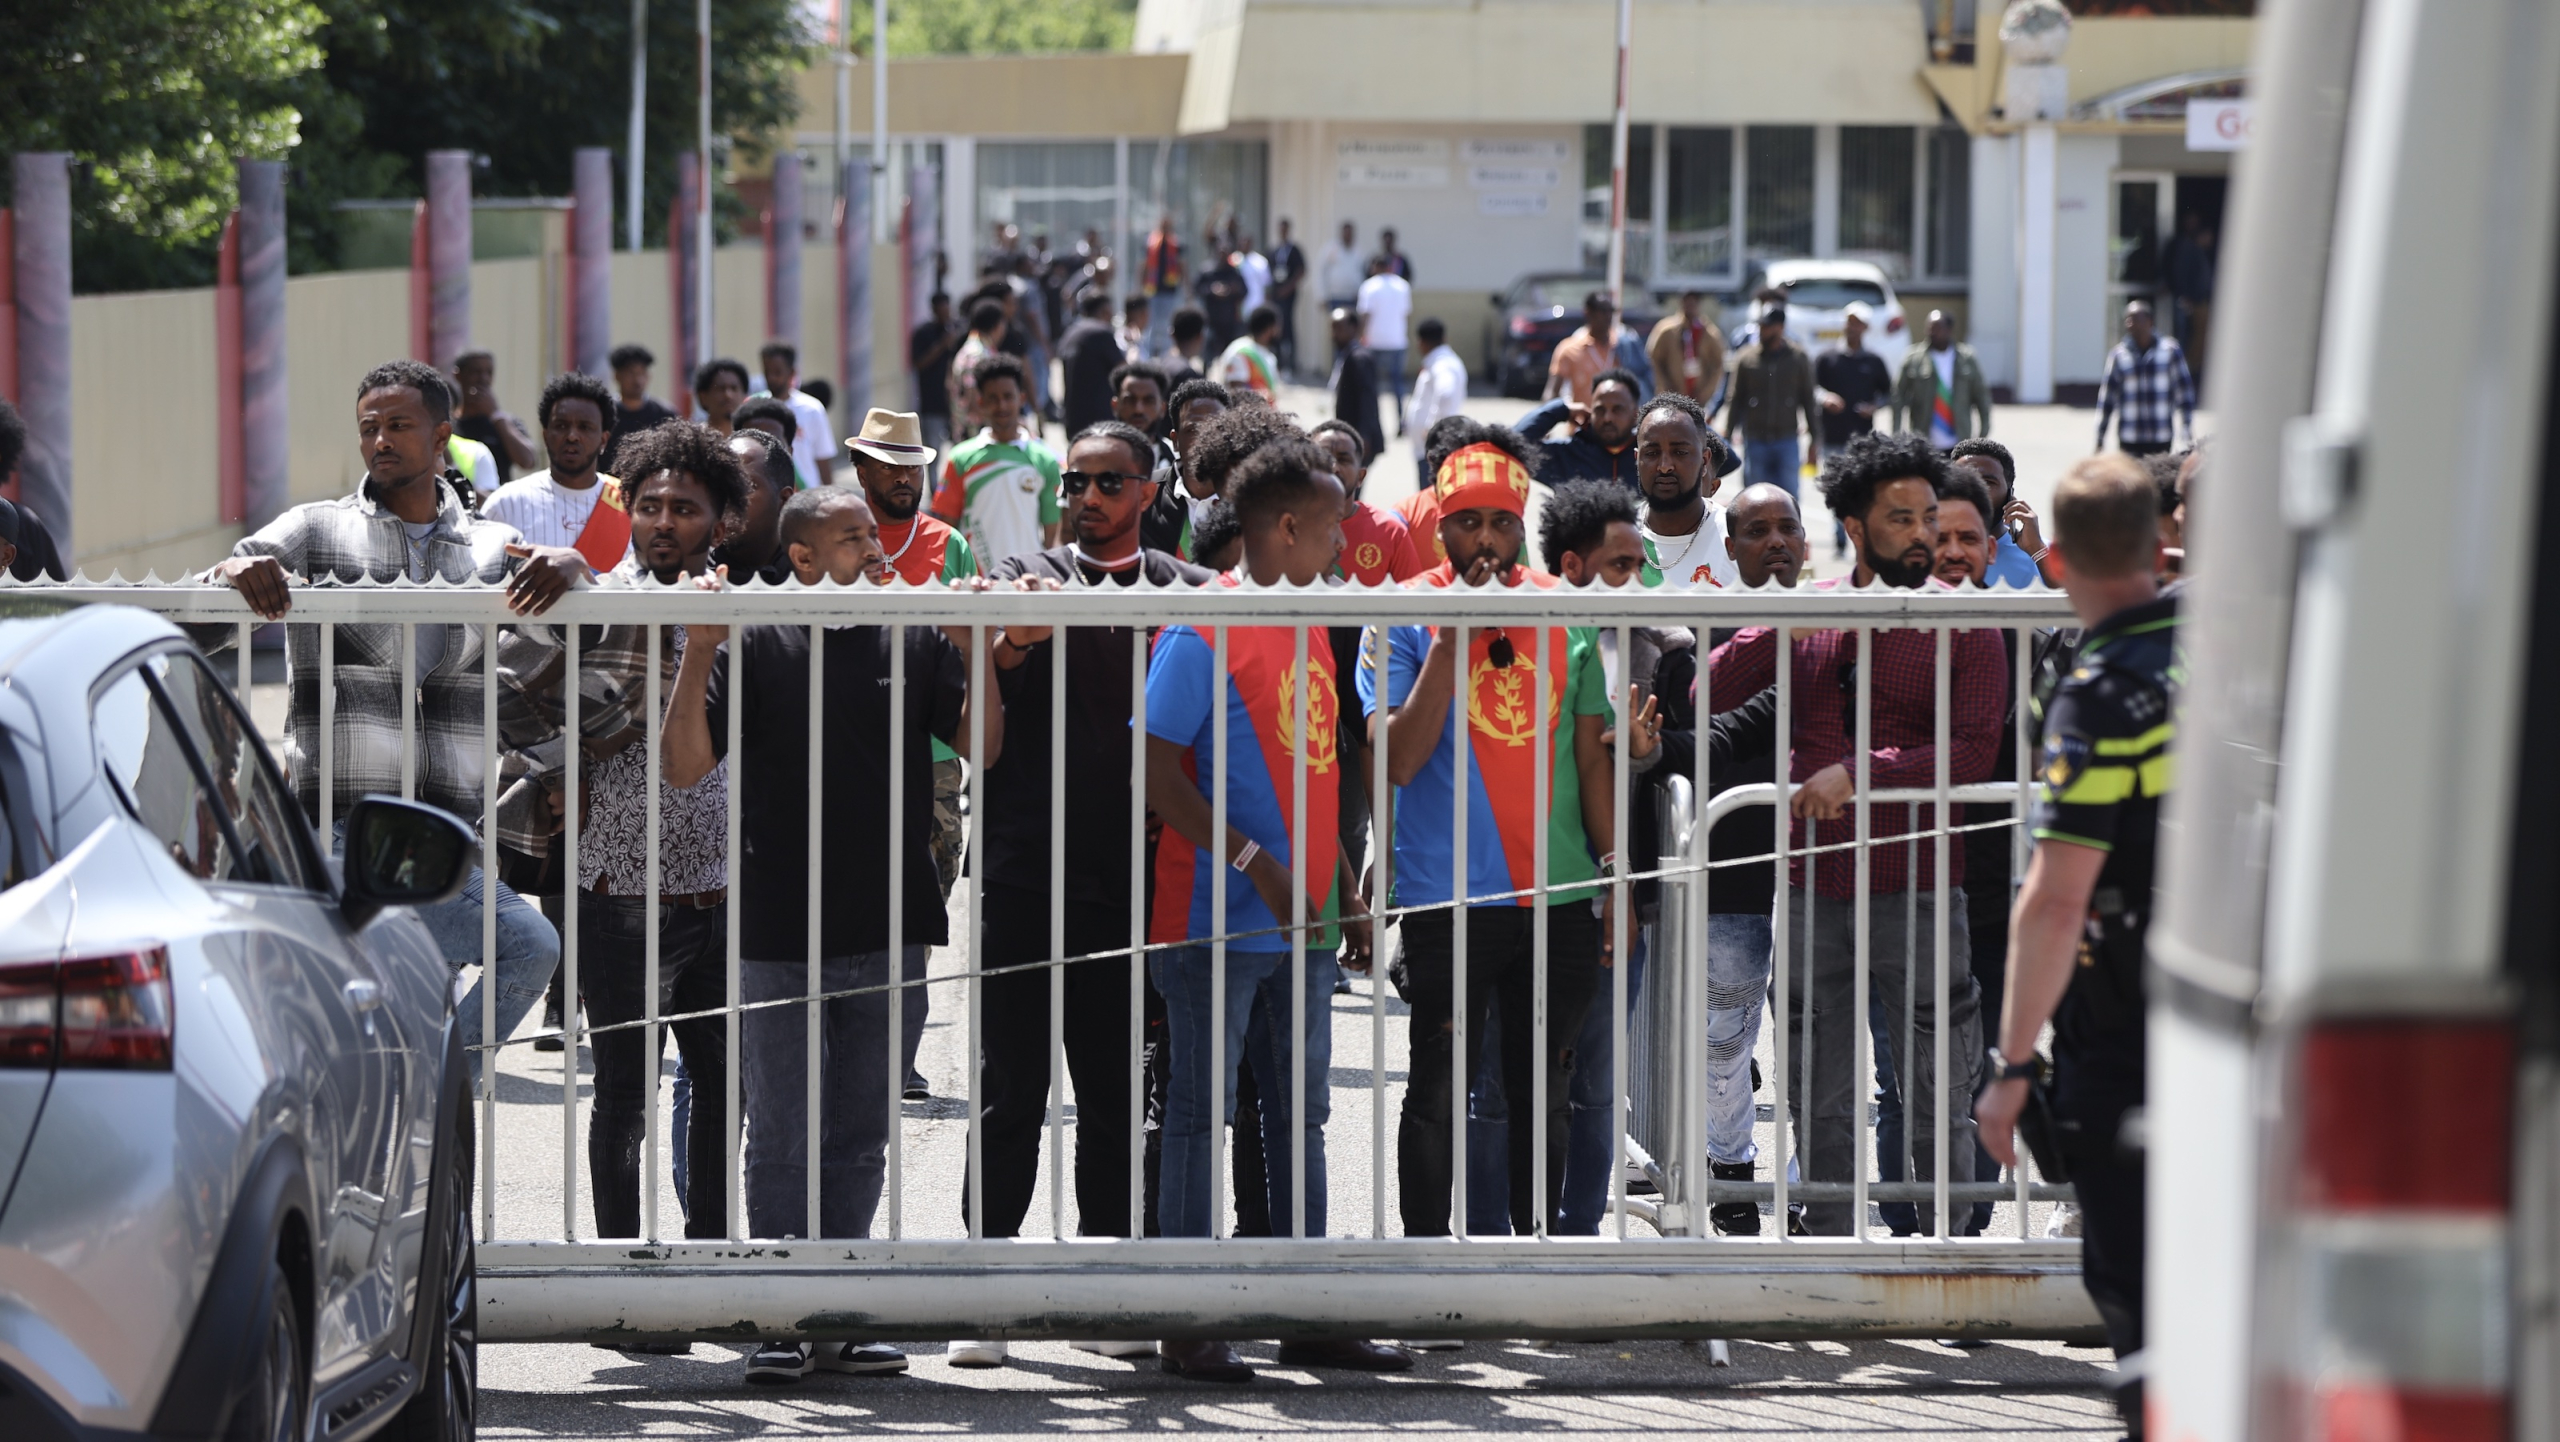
[(37, 557), (1355, 395), (1577, 457), (1741, 749), (1087, 354)]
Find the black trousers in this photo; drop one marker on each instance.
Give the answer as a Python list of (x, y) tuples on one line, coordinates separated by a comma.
[(2091, 1101), (1500, 963), (692, 976), (1013, 1072)]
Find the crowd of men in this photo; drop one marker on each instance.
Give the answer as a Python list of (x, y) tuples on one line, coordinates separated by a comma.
[(1175, 478)]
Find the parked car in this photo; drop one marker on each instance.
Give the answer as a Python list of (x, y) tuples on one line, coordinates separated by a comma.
[(1535, 313), (1818, 296), (235, 1139)]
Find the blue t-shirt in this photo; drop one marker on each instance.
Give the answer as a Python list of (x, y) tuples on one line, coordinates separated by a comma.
[(1261, 724), (2011, 566)]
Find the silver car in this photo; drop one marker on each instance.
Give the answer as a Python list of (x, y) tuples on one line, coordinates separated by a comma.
[(235, 1138)]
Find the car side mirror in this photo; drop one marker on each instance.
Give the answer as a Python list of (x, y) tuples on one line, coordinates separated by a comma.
[(401, 853), (1499, 303)]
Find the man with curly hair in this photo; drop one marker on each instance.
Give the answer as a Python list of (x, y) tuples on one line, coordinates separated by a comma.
[(1885, 491), (562, 505)]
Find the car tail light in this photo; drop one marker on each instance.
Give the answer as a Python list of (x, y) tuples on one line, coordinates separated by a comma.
[(100, 1013), (1522, 325), (2401, 1311), (1893, 324)]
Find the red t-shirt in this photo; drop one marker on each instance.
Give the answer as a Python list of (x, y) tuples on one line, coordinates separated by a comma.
[(1377, 547)]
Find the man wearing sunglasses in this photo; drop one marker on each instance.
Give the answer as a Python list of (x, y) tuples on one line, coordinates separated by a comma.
[(1506, 676), (1105, 488)]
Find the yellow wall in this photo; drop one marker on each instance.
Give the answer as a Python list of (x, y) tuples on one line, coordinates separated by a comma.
[(1058, 97), (2109, 53), (145, 465)]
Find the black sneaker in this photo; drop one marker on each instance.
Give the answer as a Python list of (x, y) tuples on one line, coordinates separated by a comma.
[(1734, 1219), (777, 1364), (917, 1090), (550, 1023), (862, 1358)]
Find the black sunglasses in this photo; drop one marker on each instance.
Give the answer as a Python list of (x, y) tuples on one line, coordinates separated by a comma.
[(1107, 482)]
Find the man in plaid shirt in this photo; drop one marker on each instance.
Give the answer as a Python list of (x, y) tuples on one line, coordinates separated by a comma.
[(1885, 491), (404, 522), (2148, 389)]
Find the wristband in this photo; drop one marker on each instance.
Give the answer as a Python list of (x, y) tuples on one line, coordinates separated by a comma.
[(1244, 858), (2003, 1069)]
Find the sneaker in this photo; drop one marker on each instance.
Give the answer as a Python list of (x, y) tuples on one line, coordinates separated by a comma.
[(1116, 1349), (1734, 1219), (916, 1090), (2065, 1221), (1431, 1344), (862, 1357), (977, 1354), (776, 1363), (550, 1023)]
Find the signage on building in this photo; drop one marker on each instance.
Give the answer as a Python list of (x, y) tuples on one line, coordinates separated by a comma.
[(1502, 202), (1515, 177), (2218, 124), (1392, 163), (1514, 152), (1378, 175)]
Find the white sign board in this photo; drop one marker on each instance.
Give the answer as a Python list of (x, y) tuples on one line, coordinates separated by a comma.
[(1514, 177), (1501, 202), (1392, 150), (2218, 124), (1513, 152), (1379, 175)]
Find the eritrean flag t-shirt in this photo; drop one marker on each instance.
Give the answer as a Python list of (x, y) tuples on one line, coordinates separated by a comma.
[(1003, 495), (1261, 696), (1502, 817), (1377, 548)]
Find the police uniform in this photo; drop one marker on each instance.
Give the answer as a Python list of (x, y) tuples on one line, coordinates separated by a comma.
[(2105, 769)]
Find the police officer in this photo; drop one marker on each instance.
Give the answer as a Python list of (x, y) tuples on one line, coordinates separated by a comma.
[(2076, 937)]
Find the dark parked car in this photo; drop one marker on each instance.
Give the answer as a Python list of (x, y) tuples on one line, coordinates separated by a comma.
[(1540, 310), (235, 1139)]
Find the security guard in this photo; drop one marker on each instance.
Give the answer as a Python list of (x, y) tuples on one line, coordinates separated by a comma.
[(2076, 938)]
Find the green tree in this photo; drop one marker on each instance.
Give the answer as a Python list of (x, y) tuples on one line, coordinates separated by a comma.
[(154, 99), (1010, 27)]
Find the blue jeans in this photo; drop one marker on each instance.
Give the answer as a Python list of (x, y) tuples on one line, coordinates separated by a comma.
[(1738, 962), (1391, 378), (1589, 1095), (528, 949), (1259, 1022), (1773, 463), (855, 1089)]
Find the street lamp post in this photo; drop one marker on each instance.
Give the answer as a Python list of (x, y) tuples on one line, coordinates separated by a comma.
[(1618, 162)]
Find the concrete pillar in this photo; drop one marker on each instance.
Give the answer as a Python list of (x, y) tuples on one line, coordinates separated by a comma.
[(43, 266), (853, 294), (265, 472), (684, 277), (959, 222), (2036, 197), (782, 252), (448, 255), (924, 237), (1826, 191), (591, 262)]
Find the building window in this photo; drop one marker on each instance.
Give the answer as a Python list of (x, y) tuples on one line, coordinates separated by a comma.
[(1700, 201), (1595, 197), (1877, 166), (1204, 182), (1778, 203), (1056, 191), (1950, 225)]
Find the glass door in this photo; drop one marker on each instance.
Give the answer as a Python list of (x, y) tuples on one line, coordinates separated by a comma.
[(2145, 205)]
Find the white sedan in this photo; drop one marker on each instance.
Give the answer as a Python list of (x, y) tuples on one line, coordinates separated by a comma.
[(1819, 292)]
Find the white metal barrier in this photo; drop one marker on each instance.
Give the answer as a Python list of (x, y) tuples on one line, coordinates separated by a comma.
[(1682, 1281)]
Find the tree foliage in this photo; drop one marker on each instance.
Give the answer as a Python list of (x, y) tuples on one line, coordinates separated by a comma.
[(979, 27)]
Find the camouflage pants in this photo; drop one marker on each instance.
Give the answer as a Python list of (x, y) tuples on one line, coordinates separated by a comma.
[(950, 780)]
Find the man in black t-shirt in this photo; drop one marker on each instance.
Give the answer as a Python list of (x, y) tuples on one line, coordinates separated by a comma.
[(829, 533), (929, 351), (1852, 383), (634, 409)]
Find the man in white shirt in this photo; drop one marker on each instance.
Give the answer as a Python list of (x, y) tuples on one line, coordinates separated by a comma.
[(1385, 302), (813, 448), (1340, 267), (553, 507), (1256, 268), (1683, 531), (1440, 388)]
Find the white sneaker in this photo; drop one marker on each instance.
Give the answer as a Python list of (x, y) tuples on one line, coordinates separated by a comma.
[(977, 1354), (862, 1358), (1435, 1344), (2065, 1221), (1116, 1349)]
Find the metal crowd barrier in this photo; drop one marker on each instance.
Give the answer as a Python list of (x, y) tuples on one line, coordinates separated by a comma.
[(1682, 1280)]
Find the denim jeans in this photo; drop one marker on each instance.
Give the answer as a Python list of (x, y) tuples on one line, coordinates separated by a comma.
[(528, 949), (1738, 964), (1259, 1034), (1772, 463), (1589, 1097), (856, 1088), (1391, 378), (692, 976)]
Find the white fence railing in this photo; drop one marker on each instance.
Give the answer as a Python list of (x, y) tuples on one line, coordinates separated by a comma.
[(1656, 1269)]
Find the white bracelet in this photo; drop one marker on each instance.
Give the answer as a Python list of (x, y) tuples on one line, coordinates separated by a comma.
[(1244, 858)]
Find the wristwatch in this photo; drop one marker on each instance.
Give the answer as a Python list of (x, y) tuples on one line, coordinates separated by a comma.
[(2003, 1069)]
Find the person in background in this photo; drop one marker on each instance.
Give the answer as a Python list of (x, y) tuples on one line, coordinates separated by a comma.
[(1397, 263), (930, 347), (559, 506), (1107, 488), (830, 536), (1687, 352), (1088, 357), (2190, 265), (1851, 382), (1132, 330), (1289, 507), (1190, 334), (1138, 394), (719, 388), (1288, 278), (752, 549), (1355, 382), (813, 439), (1219, 290), (1483, 489), (1179, 495), (27, 551), (1160, 276), (770, 418), (2076, 949), (1340, 268), (1377, 548), (1677, 461), (1885, 490), (479, 418), (1249, 364), (1581, 357), (1000, 487), (1256, 269), (634, 409), (1439, 386), (1385, 301), (2018, 548), (1772, 389), (987, 335), (1940, 394)]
